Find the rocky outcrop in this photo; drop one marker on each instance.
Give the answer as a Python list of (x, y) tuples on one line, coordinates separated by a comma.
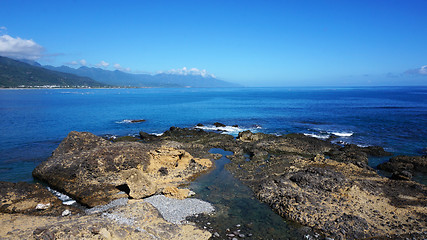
[(352, 153), (316, 183), (136, 220), (32, 199), (345, 201), (95, 171), (404, 167)]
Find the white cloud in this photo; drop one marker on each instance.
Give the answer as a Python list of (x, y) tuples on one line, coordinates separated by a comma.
[(3, 28), (19, 48), (423, 70), (191, 71), (120, 68), (102, 64), (81, 62), (417, 71)]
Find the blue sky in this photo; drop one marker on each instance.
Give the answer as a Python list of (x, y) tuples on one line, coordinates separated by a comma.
[(256, 43)]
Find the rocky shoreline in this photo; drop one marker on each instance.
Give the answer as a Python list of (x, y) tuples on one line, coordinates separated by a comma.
[(327, 187)]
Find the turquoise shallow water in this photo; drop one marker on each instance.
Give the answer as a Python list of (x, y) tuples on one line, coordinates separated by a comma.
[(33, 122)]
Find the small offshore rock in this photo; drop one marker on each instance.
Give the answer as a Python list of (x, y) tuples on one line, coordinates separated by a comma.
[(137, 120), (217, 124)]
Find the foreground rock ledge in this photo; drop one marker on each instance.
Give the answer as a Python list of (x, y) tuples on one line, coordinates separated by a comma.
[(95, 171), (314, 182), (136, 220)]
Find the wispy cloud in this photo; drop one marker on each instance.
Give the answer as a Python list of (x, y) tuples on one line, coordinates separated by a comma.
[(120, 68), (189, 71), (83, 62), (103, 64), (423, 70), (19, 48), (417, 71)]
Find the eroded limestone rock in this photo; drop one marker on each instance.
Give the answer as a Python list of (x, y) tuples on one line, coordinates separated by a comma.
[(95, 171)]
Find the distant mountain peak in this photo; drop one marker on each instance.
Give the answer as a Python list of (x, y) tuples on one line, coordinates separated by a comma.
[(190, 71)]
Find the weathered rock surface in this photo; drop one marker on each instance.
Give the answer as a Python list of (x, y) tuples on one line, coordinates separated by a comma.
[(404, 167), (338, 195), (33, 199), (95, 171), (352, 153), (136, 220), (345, 201)]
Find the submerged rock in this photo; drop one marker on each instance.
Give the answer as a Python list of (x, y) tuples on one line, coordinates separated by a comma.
[(95, 171), (217, 124)]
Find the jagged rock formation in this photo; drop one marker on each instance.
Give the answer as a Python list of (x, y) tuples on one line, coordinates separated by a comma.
[(95, 171), (314, 182), (404, 167)]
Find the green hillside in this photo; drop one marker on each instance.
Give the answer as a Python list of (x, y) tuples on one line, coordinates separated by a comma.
[(19, 74)]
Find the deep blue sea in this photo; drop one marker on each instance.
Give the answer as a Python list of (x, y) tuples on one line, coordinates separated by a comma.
[(34, 121)]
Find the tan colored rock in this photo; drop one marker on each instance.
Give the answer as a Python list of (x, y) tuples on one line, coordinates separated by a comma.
[(137, 220), (31, 199), (95, 171), (174, 192)]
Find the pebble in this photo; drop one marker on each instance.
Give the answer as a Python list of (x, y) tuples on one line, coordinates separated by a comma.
[(103, 208), (241, 235), (42, 206), (216, 234), (238, 225), (175, 211), (66, 213)]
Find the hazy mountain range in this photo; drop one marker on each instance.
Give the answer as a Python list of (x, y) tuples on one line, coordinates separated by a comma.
[(14, 73), (119, 78)]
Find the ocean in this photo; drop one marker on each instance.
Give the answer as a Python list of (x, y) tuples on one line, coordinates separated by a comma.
[(34, 121)]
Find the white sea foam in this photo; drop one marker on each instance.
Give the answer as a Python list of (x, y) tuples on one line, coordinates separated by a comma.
[(66, 200), (317, 135), (227, 129), (68, 203), (125, 121), (342, 134)]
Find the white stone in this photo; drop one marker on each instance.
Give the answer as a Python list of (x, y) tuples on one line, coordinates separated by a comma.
[(42, 206), (66, 213)]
